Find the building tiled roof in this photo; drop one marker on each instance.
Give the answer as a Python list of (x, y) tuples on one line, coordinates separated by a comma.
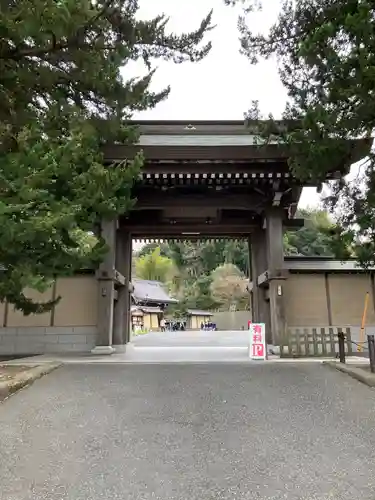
[(151, 291), (323, 264)]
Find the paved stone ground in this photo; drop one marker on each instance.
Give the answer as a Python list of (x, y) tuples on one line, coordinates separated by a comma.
[(193, 338), (189, 346), (189, 432)]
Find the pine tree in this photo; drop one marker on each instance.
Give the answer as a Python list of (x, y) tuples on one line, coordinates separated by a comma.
[(326, 55), (63, 94)]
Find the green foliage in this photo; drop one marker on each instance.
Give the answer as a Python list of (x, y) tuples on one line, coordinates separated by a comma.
[(315, 238), (150, 247), (195, 263), (138, 332), (63, 94), (326, 56), (197, 294), (153, 266), (229, 287)]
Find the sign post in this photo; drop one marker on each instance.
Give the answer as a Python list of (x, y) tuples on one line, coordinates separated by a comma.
[(258, 348)]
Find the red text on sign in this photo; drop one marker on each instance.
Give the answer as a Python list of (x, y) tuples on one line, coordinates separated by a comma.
[(257, 350)]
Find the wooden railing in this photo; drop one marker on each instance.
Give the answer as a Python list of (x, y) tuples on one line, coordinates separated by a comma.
[(314, 342)]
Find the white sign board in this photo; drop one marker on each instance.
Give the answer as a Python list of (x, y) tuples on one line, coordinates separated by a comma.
[(257, 333)]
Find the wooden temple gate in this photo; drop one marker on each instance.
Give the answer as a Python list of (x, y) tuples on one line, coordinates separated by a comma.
[(204, 180)]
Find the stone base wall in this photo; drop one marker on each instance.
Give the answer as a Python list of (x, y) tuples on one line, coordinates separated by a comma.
[(47, 340)]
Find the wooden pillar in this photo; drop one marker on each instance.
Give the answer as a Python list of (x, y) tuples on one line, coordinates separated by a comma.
[(253, 301), (275, 252), (106, 290), (121, 325), (259, 264), (128, 331)]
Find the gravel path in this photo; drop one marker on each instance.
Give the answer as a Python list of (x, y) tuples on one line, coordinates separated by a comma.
[(189, 432)]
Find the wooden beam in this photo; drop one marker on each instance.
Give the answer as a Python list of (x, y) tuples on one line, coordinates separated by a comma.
[(359, 149), (157, 201), (269, 275), (194, 231), (160, 230), (263, 278), (195, 166), (119, 278), (270, 152)]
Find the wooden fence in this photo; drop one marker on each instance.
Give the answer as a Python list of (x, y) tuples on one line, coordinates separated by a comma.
[(316, 342)]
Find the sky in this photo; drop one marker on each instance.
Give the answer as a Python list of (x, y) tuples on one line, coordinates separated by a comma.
[(223, 85)]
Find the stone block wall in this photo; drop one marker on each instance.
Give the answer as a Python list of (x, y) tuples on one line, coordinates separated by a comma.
[(41, 340), (71, 326)]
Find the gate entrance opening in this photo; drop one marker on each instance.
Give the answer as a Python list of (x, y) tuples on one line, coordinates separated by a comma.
[(206, 179)]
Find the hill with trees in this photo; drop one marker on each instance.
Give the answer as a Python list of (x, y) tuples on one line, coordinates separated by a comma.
[(325, 53)]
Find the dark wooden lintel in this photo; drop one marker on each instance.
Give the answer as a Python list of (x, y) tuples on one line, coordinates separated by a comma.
[(194, 231), (156, 201), (193, 167), (121, 152), (197, 230)]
